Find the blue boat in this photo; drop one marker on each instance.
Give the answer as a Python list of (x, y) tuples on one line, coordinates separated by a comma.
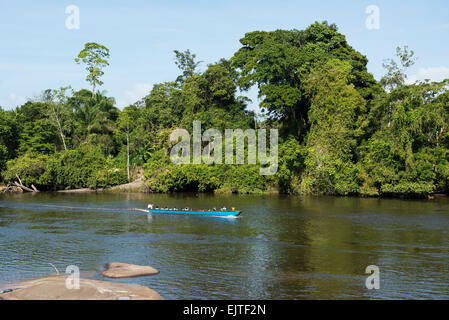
[(213, 213)]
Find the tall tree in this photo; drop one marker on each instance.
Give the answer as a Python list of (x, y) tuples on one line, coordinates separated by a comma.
[(278, 62), (94, 119), (9, 132), (336, 120), (95, 56), (185, 61), (396, 72), (57, 110), (127, 121)]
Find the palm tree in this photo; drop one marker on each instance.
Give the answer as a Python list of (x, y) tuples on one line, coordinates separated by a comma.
[(95, 114)]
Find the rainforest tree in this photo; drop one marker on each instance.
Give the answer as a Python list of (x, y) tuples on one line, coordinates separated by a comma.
[(341, 131), (95, 56)]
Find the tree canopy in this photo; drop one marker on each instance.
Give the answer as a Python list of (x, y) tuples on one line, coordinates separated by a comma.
[(95, 56), (341, 131), (280, 61)]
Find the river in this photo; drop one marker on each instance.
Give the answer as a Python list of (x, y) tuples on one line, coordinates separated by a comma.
[(281, 247)]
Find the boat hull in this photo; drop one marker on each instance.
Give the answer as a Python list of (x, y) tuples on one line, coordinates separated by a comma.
[(198, 213)]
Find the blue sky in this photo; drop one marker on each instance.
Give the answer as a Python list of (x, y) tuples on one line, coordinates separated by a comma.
[(37, 50)]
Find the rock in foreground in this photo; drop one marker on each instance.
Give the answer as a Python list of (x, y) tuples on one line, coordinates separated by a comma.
[(54, 288), (125, 270)]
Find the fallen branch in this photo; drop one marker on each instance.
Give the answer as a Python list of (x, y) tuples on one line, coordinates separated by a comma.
[(23, 187), (57, 271), (20, 185)]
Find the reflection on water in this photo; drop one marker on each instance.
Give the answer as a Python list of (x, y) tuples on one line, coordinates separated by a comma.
[(280, 248)]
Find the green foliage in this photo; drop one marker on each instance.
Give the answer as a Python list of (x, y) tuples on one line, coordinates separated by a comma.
[(58, 111), (291, 165), (95, 56), (185, 61), (38, 136), (341, 133), (336, 120), (409, 152), (163, 176), (111, 174), (3, 159), (243, 179), (30, 168), (73, 168), (279, 62), (80, 168), (396, 75), (9, 130), (95, 120)]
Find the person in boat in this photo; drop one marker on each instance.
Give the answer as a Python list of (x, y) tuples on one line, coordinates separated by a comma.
[(215, 209), (232, 208), (223, 209)]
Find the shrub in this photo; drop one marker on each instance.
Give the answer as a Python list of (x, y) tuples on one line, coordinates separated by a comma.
[(31, 169), (74, 168)]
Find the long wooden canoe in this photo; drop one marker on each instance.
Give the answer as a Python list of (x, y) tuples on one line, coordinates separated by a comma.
[(217, 213)]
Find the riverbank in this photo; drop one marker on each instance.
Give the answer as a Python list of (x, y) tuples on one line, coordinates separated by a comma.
[(139, 186), (82, 190), (134, 186), (4, 189)]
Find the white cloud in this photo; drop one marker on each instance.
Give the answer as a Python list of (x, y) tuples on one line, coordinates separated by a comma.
[(138, 91), (432, 73), (17, 100), (13, 100)]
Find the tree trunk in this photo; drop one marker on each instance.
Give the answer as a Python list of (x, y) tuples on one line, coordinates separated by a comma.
[(61, 133), (127, 151), (23, 187), (63, 140), (58, 122), (20, 185)]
